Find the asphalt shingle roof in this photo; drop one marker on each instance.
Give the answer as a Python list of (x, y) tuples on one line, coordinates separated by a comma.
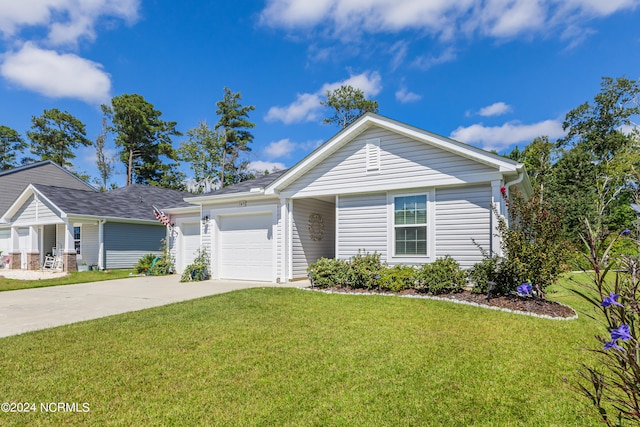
[(244, 186), (133, 201)]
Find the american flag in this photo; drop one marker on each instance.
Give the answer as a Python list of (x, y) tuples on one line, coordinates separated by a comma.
[(160, 216)]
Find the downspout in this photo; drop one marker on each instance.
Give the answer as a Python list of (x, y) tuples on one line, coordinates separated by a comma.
[(515, 181)]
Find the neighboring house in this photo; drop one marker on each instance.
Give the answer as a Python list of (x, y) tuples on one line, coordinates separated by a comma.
[(14, 181), (110, 229), (377, 186)]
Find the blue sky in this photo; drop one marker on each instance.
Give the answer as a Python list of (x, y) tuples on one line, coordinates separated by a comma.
[(491, 73)]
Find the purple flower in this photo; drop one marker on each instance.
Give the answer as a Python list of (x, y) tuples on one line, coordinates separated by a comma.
[(621, 333), (625, 232), (524, 289), (612, 299), (612, 344)]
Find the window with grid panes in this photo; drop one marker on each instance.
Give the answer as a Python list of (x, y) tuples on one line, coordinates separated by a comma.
[(410, 224)]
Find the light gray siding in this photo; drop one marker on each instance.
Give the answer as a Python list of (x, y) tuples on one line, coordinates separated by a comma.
[(362, 225), (404, 163), (14, 183), (5, 241), (305, 249), (36, 210), (463, 214), (89, 245), (125, 244)]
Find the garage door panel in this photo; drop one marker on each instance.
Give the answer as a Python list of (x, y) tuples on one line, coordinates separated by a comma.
[(246, 247)]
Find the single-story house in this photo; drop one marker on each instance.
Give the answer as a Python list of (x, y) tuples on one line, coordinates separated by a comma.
[(110, 229), (377, 186)]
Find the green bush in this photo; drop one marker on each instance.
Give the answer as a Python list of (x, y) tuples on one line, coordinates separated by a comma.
[(144, 264), (443, 276), (363, 269), (198, 270), (397, 278), (328, 272), (504, 275)]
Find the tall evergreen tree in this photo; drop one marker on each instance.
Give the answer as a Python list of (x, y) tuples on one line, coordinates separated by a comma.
[(233, 126), (348, 104), (144, 140), (11, 143), (55, 134)]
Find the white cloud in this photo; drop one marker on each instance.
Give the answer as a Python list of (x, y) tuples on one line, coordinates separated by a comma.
[(261, 166), (282, 148), (56, 75), (425, 62), (65, 20), (307, 108), (443, 18), (404, 96), (495, 109), (501, 137)]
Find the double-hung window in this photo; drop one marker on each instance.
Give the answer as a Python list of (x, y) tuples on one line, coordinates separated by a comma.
[(410, 225)]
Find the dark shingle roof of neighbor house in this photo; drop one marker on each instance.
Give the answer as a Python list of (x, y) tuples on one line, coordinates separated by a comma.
[(244, 186), (133, 201)]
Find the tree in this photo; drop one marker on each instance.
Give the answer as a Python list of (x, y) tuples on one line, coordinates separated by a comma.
[(597, 158), (11, 143), (105, 164), (204, 151), (233, 127), (144, 140), (55, 134), (349, 103)]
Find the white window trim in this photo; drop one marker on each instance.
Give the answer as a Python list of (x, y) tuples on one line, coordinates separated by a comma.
[(391, 228), (78, 254)]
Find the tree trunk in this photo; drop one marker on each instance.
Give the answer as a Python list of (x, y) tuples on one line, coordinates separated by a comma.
[(130, 169)]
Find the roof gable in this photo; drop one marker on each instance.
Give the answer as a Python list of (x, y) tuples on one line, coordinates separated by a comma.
[(369, 121), (14, 181)]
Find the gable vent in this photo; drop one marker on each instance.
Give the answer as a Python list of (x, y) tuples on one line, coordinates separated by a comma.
[(373, 154)]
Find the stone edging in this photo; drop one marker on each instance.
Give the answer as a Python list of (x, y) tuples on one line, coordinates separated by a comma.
[(455, 301)]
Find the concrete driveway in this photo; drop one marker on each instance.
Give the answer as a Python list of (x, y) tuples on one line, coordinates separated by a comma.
[(40, 308)]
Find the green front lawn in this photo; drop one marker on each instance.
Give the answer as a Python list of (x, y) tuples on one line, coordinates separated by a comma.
[(276, 356), (74, 277)]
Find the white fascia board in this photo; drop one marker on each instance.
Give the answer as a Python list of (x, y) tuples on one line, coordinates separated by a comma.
[(229, 197), (318, 155), (182, 210), (98, 218), (24, 196), (368, 120)]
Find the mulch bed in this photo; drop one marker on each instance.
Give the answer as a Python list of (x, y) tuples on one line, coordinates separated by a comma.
[(511, 302)]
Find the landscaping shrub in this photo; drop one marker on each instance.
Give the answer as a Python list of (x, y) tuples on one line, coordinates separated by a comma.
[(363, 269), (154, 265), (144, 263), (397, 278), (442, 276), (327, 272), (532, 244), (198, 270)]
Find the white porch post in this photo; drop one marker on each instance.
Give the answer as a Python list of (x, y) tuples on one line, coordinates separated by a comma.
[(101, 245), (285, 255), (15, 252), (497, 203), (33, 254)]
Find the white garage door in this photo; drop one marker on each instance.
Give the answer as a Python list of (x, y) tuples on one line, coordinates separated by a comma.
[(190, 242), (246, 247)]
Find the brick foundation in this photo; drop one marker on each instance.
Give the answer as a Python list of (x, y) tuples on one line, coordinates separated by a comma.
[(16, 261), (33, 261), (69, 262)]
